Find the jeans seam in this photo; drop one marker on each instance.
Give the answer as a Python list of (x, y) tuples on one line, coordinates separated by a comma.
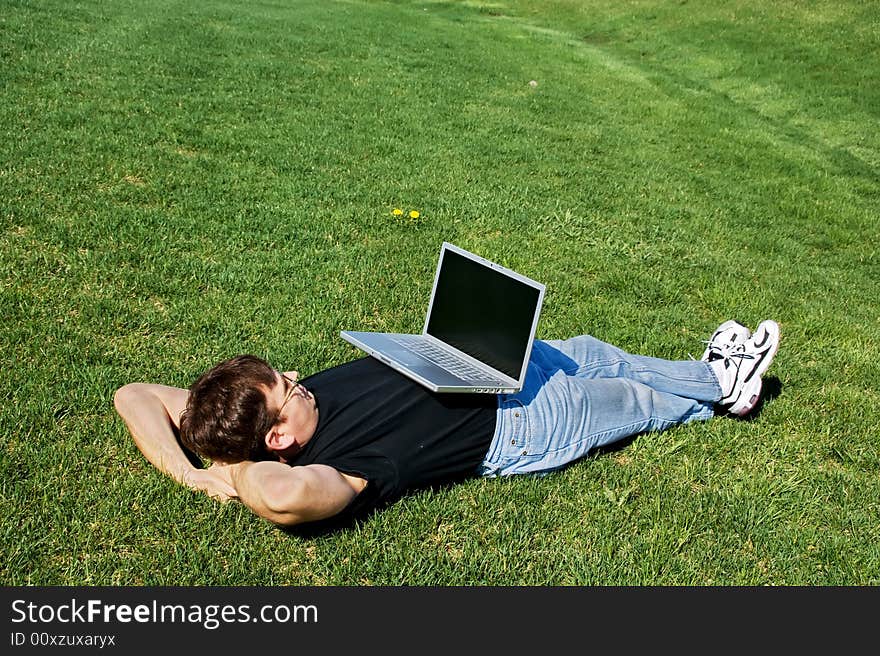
[(598, 364)]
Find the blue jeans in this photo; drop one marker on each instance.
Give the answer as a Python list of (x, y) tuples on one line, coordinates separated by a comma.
[(582, 393)]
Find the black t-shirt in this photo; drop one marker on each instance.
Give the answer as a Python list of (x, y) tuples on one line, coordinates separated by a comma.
[(381, 426)]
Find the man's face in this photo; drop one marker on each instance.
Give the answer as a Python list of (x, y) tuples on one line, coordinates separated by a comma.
[(296, 415)]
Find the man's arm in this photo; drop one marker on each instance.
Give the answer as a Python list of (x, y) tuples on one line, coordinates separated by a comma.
[(152, 414), (288, 495)]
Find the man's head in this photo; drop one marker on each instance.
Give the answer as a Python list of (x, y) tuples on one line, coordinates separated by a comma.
[(226, 414), (243, 409)]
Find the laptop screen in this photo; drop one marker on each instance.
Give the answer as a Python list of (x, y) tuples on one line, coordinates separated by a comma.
[(483, 312)]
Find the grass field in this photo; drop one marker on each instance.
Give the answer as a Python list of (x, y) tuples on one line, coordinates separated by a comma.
[(181, 182)]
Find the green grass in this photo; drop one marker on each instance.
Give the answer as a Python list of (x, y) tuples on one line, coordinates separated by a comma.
[(183, 182)]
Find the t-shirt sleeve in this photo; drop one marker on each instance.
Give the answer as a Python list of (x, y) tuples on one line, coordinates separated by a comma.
[(381, 475)]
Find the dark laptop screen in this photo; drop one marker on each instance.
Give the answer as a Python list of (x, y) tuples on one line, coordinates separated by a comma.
[(483, 312)]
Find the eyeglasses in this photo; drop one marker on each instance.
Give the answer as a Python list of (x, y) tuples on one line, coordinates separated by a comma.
[(289, 395)]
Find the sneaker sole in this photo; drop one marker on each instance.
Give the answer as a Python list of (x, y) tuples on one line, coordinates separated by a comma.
[(747, 400)]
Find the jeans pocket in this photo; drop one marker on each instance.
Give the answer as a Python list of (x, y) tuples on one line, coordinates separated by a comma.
[(517, 429), (524, 438)]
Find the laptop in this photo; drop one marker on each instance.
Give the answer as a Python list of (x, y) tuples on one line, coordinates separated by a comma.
[(478, 332)]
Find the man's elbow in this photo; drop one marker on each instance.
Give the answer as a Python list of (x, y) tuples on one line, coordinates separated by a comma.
[(126, 396)]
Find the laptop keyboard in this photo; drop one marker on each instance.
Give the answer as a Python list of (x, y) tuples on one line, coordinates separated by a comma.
[(444, 359)]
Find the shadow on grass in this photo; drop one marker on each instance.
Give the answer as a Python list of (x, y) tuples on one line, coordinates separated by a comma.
[(346, 520), (322, 528), (771, 388)]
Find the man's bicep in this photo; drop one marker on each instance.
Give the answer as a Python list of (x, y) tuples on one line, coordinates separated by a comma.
[(327, 490), (291, 495)]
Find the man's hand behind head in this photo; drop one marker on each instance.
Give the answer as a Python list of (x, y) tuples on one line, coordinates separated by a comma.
[(216, 482)]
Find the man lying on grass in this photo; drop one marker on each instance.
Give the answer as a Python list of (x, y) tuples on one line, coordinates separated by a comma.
[(354, 437)]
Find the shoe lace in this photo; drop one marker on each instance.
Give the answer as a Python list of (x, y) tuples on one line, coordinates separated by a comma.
[(734, 351), (725, 350)]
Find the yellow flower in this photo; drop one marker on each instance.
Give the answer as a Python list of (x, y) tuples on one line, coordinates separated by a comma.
[(397, 212), (414, 214)]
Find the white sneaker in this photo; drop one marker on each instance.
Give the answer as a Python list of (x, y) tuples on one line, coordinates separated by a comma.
[(726, 336), (748, 361)]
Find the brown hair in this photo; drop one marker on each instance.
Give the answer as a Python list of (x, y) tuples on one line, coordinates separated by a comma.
[(226, 415)]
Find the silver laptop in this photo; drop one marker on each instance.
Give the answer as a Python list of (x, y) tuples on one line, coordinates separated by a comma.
[(478, 332)]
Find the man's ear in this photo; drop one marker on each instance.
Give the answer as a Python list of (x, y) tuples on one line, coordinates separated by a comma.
[(282, 446), (276, 441)]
